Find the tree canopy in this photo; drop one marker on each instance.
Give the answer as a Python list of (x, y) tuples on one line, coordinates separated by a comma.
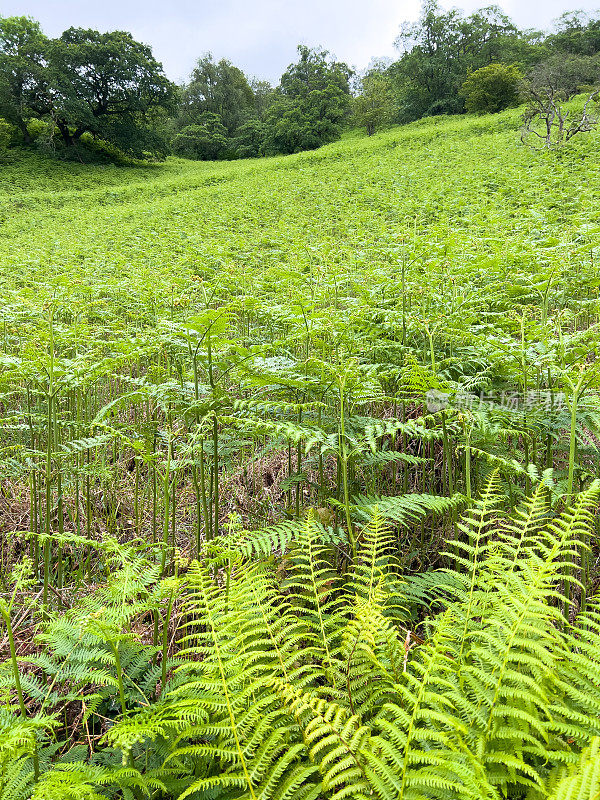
[(310, 103), (375, 105), (109, 87), (107, 84), (439, 50), (492, 88), (24, 73), (306, 110), (104, 84), (218, 88), (576, 33), (205, 141)]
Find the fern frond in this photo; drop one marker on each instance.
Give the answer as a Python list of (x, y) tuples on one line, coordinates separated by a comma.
[(416, 748), (335, 740), (508, 665), (315, 591), (405, 509), (581, 781)]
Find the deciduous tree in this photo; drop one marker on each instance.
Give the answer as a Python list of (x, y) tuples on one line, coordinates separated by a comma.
[(218, 88), (310, 104), (110, 86), (104, 84), (550, 117), (206, 141), (375, 105), (250, 139), (576, 33), (24, 89), (439, 50)]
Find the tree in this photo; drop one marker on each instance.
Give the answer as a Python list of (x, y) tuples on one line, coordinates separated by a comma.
[(250, 138), (24, 90), (206, 141), (576, 33), (110, 86), (289, 128), (310, 103), (104, 84), (374, 107), (492, 88), (553, 116), (263, 96), (314, 71), (439, 50), (218, 88), (564, 75), (294, 126)]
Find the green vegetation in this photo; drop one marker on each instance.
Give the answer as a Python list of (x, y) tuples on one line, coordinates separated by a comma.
[(103, 96), (220, 89), (492, 88), (105, 85), (374, 108), (550, 118), (299, 472), (440, 50), (206, 141)]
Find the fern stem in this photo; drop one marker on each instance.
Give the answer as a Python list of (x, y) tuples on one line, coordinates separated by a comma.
[(165, 640), (344, 464), (5, 611), (216, 474), (572, 446), (166, 496)]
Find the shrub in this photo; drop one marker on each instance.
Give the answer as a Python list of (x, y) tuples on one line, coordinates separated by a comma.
[(5, 134), (492, 88)]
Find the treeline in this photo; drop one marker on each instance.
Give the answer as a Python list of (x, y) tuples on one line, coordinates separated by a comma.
[(221, 114), (106, 91), (442, 50)]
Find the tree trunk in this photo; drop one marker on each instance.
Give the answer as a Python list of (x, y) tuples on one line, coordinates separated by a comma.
[(65, 133), (22, 125)]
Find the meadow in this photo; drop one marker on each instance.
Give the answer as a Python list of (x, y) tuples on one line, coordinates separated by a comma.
[(300, 464)]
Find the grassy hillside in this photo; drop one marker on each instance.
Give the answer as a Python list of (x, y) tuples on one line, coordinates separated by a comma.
[(458, 193), (299, 462)]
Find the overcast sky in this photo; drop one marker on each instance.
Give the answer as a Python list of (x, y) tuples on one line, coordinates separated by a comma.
[(260, 36)]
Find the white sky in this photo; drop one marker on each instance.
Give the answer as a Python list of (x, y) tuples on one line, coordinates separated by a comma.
[(260, 36)]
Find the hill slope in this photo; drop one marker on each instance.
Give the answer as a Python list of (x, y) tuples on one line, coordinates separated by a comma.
[(277, 518), (458, 192)]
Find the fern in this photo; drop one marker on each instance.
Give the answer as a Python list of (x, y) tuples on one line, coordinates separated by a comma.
[(245, 731), (406, 509), (79, 782), (335, 739), (581, 781), (295, 681)]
